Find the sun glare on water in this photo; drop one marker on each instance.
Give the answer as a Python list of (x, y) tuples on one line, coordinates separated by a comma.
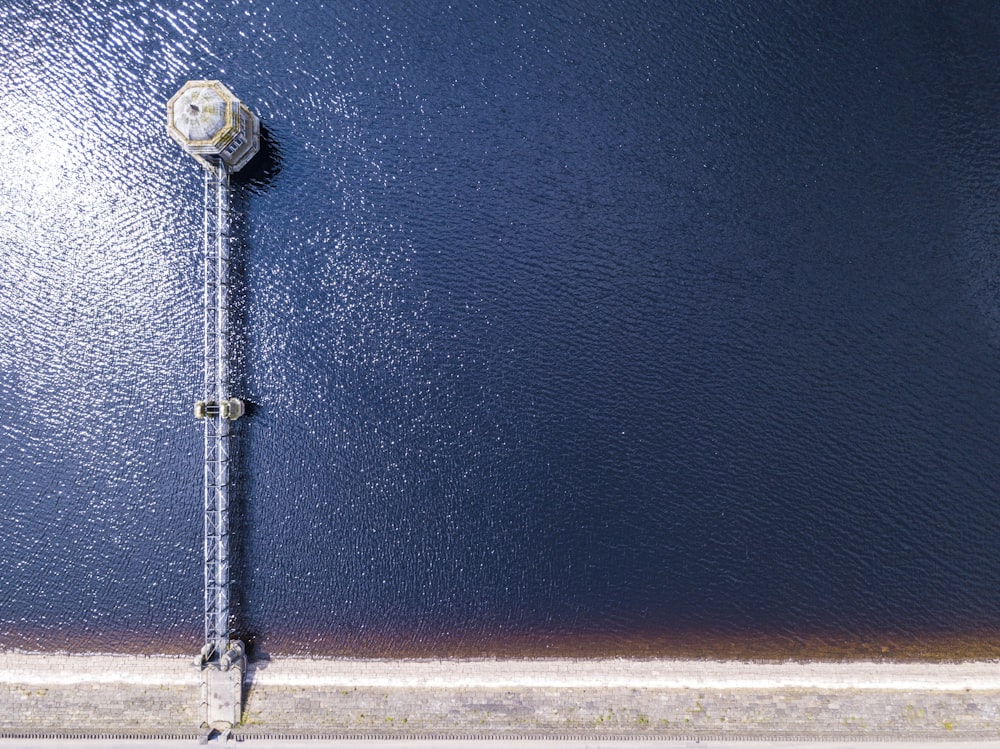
[(90, 273)]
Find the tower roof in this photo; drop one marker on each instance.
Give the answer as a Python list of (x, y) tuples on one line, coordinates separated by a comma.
[(203, 115)]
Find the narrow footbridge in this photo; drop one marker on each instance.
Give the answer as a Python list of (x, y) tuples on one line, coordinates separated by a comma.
[(217, 409), (214, 127)]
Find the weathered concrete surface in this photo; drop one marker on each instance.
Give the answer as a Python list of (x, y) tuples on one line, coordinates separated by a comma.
[(681, 699), (45, 694), (121, 695), (638, 712)]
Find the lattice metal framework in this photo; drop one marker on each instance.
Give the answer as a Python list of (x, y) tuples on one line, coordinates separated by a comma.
[(217, 426)]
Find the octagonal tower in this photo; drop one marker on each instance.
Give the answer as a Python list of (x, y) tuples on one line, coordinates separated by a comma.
[(211, 124)]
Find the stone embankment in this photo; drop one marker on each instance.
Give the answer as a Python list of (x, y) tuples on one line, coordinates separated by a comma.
[(159, 696), (69, 695)]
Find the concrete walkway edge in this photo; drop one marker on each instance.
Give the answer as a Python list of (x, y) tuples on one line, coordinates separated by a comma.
[(593, 700)]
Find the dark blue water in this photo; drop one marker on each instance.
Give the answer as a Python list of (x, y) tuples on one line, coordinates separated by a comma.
[(610, 327)]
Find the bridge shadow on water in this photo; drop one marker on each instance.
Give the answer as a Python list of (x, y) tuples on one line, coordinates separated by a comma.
[(254, 179)]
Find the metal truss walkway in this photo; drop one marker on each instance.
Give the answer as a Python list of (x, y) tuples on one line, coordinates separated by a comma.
[(216, 393)]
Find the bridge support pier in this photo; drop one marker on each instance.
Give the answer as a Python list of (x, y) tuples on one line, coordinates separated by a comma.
[(222, 690)]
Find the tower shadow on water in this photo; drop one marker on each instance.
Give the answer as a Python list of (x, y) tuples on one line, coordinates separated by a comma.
[(260, 173)]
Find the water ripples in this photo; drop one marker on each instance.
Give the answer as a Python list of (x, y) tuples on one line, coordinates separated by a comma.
[(608, 325)]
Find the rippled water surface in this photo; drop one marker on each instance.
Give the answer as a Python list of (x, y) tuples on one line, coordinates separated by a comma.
[(603, 327)]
